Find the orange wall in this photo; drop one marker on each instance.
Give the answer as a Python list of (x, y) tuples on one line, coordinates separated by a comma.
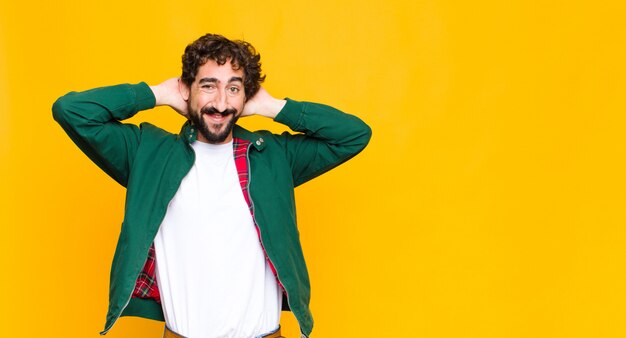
[(490, 202)]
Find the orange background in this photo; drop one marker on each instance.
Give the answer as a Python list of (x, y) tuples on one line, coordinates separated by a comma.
[(490, 202)]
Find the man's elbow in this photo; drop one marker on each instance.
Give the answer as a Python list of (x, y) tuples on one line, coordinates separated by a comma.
[(62, 109), (364, 136), (59, 110)]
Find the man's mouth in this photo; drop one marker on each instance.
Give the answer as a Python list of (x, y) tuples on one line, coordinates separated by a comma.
[(216, 116)]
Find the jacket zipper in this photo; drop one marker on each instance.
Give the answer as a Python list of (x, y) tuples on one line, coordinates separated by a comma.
[(131, 293), (259, 229), (123, 307)]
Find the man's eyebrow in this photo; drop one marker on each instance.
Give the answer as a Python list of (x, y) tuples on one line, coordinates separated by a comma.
[(208, 79), (235, 79)]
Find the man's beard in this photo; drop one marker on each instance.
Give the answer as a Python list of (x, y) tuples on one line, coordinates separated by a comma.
[(205, 130)]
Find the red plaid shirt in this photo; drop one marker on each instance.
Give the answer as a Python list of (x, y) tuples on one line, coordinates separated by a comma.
[(146, 285)]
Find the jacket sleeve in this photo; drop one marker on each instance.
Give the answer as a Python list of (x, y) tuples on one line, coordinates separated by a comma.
[(92, 120), (328, 138)]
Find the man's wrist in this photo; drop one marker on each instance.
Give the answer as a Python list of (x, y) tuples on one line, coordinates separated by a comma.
[(144, 97), (158, 97), (291, 114), (274, 107)]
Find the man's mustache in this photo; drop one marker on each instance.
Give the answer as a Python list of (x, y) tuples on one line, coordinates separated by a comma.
[(213, 110)]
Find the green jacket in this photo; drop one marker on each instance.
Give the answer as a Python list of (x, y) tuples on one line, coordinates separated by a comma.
[(151, 164)]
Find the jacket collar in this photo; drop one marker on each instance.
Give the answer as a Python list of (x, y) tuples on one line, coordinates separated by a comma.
[(189, 133)]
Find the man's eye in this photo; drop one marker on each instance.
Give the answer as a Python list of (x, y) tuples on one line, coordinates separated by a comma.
[(234, 89)]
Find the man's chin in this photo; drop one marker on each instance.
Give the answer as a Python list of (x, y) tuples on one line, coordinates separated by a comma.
[(214, 138), (218, 133)]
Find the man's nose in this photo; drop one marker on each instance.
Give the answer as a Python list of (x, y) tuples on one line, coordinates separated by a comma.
[(220, 101)]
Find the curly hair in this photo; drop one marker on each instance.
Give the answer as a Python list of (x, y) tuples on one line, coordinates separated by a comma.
[(220, 49)]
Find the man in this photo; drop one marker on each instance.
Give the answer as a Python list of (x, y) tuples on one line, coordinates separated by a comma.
[(209, 242)]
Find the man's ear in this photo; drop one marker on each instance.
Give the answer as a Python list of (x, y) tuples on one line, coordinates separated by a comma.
[(184, 89)]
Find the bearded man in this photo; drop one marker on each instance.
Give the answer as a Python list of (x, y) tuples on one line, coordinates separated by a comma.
[(209, 242)]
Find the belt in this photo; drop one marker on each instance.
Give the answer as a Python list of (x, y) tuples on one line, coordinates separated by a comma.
[(171, 334)]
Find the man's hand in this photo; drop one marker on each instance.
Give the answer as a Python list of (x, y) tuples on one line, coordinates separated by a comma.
[(263, 104), (168, 93)]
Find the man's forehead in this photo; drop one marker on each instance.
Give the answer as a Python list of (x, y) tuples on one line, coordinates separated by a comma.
[(224, 72), (209, 79)]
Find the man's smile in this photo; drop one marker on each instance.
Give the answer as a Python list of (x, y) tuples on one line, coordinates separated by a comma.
[(216, 116)]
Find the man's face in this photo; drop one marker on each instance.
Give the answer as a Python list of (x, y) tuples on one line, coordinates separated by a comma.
[(216, 100)]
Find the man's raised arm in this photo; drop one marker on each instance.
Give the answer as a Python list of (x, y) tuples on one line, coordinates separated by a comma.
[(92, 120), (329, 137)]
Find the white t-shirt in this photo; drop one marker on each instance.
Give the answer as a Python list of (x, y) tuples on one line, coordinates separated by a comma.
[(211, 270)]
